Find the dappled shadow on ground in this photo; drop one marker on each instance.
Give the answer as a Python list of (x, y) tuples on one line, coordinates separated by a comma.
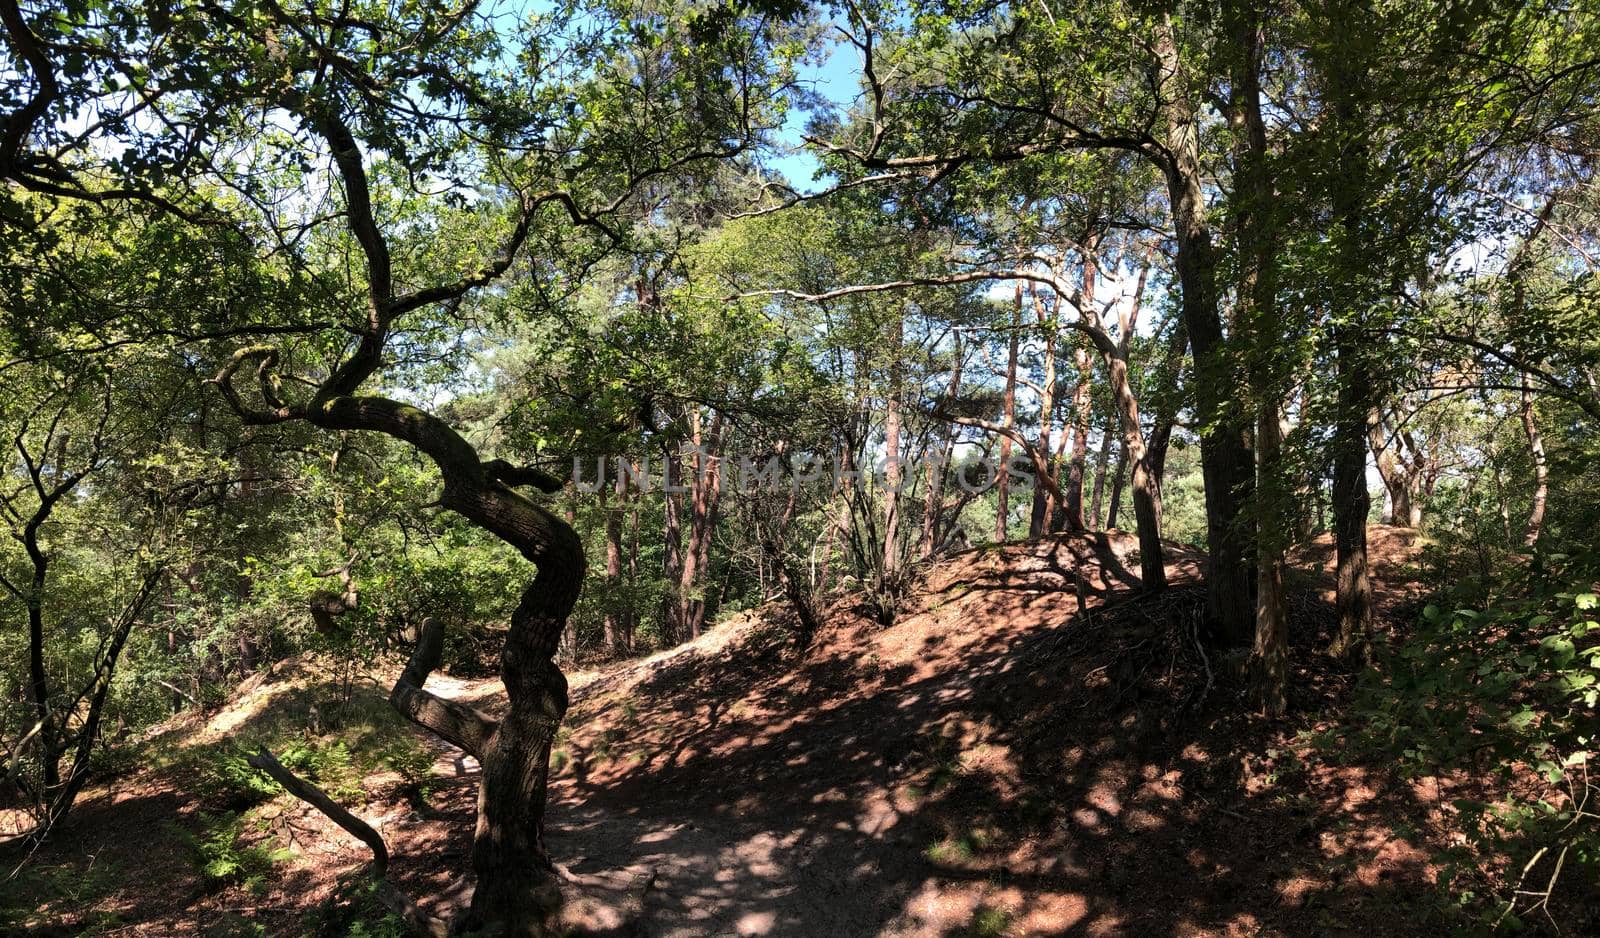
[(103, 853), (998, 762), (1030, 750)]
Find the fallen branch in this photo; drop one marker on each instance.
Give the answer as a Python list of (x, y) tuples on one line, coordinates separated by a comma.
[(416, 918)]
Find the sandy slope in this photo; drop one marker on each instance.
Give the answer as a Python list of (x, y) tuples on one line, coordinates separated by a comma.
[(1020, 754)]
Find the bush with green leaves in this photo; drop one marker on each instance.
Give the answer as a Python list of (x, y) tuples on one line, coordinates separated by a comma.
[(1500, 690), (224, 859), (223, 778)]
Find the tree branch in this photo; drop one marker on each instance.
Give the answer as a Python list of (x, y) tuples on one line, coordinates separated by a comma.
[(416, 918)]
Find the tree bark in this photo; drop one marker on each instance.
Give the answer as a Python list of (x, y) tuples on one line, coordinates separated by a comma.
[(672, 541), (1082, 406), (933, 498), (613, 627), (1083, 393), (1401, 477), (1351, 501), (1226, 461), (891, 454), (1258, 313), (705, 496), (1541, 471), (1355, 394), (1045, 496), (1009, 419)]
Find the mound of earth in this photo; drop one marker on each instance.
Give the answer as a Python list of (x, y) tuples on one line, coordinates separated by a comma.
[(1028, 750)]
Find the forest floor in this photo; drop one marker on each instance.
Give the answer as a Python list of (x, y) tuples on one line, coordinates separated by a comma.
[(1026, 751)]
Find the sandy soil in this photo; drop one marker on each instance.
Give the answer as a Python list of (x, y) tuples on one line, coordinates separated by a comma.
[(1023, 753)]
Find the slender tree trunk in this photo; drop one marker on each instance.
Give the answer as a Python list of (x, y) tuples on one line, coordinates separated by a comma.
[(1270, 654), (1082, 406), (705, 490), (672, 491), (613, 627), (98, 692), (1116, 488), (1259, 314), (1102, 465), (39, 689), (1351, 502), (1541, 471), (630, 620), (1083, 393), (891, 455), (1355, 394), (1002, 504), (1044, 498), (933, 498), (1146, 493)]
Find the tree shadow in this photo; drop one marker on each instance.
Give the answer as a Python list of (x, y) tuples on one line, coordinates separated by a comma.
[(1063, 778)]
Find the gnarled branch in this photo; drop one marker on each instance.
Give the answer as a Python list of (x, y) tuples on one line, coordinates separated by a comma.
[(416, 918), (456, 723)]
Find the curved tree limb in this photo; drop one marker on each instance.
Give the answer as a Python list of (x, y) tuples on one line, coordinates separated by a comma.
[(416, 918), (456, 723)]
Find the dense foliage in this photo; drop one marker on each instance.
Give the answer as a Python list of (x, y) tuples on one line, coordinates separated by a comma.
[(300, 302)]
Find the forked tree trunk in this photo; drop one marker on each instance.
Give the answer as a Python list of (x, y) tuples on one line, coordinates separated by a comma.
[(98, 691), (517, 891), (1401, 477)]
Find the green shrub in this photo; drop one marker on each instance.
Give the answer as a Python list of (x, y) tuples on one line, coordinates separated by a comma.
[(412, 761), (1503, 687), (223, 859), (329, 765), (224, 778)]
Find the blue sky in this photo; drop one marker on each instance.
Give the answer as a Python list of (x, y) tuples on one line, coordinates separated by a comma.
[(837, 79)]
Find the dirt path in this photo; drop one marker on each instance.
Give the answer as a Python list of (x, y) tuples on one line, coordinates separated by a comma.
[(1016, 756)]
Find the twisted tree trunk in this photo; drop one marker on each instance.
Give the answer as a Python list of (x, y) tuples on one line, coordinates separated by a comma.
[(518, 891)]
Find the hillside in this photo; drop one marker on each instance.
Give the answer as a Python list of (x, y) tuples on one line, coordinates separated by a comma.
[(1027, 751)]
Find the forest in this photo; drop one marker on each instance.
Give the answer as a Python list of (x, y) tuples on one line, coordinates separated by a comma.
[(915, 468)]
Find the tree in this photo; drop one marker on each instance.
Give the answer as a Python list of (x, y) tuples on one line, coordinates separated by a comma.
[(578, 120)]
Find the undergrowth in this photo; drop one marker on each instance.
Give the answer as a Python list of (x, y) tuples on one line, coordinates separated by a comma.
[(1497, 690), (223, 857)]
